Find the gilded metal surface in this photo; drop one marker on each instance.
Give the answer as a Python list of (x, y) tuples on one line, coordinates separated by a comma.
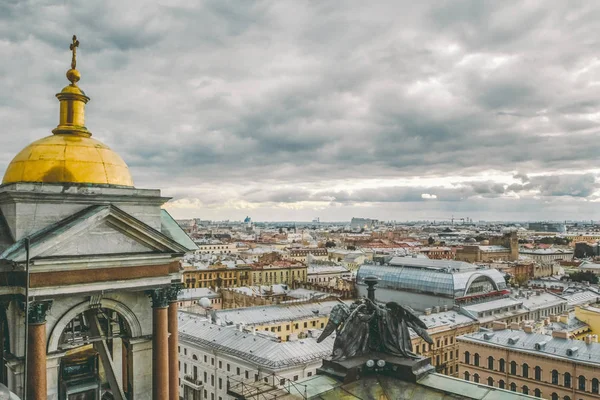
[(70, 156)]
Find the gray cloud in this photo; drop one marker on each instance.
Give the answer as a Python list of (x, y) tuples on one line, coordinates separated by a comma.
[(271, 95)]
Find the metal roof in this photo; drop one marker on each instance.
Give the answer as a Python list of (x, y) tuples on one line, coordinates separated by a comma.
[(276, 313), (551, 347), (256, 349)]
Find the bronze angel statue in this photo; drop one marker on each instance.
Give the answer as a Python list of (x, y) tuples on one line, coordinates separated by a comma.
[(366, 327)]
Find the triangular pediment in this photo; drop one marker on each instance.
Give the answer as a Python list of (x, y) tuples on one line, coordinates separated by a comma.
[(97, 230), (103, 238)]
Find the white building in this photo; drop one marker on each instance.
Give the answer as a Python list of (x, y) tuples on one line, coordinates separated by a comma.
[(546, 256), (214, 356)]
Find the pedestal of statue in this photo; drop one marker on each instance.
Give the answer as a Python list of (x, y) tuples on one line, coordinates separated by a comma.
[(349, 370)]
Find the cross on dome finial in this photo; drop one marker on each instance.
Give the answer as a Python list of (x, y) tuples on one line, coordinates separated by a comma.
[(73, 75), (73, 48)]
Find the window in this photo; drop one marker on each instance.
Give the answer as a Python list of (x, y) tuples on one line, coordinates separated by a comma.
[(247, 375), (476, 359), (501, 365), (467, 375), (205, 376), (212, 361), (237, 370), (567, 380), (467, 357), (205, 358), (228, 367), (566, 398), (501, 384), (525, 371), (513, 367), (595, 385), (282, 382), (490, 381), (295, 378), (309, 374), (476, 378), (513, 387), (554, 396), (581, 382), (554, 379), (491, 363), (220, 383), (538, 373), (537, 393)]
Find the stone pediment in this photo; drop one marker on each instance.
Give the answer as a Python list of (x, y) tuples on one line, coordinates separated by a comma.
[(96, 230)]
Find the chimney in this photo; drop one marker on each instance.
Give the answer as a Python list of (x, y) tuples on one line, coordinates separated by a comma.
[(588, 339), (528, 329), (428, 311), (514, 326), (563, 318), (498, 325), (445, 307), (436, 309), (560, 334)]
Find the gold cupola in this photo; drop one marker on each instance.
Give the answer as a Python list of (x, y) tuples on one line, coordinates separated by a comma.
[(70, 155)]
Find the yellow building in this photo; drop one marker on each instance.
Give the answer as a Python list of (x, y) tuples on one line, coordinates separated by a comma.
[(271, 269), (443, 328), (285, 322), (216, 275), (590, 315)]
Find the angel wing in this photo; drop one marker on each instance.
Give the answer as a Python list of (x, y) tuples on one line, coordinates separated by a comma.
[(339, 313), (407, 314)]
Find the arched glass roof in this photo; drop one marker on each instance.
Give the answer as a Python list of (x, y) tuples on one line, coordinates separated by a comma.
[(438, 277)]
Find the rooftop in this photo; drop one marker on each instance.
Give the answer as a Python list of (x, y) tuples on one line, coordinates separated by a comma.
[(276, 313), (256, 349), (537, 343)]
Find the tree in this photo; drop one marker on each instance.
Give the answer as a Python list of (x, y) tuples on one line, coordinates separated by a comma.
[(581, 276), (329, 244), (351, 247), (507, 278), (430, 240), (521, 279)]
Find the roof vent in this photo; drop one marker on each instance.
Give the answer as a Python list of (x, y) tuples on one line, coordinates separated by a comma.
[(513, 340), (488, 336), (540, 345), (572, 351)]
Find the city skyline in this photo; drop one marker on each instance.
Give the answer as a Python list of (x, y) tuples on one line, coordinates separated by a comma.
[(290, 111)]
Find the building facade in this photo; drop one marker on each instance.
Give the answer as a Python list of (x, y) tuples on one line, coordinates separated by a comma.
[(549, 367), (216, 357)]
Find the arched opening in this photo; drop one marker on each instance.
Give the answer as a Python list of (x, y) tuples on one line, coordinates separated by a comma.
[(96, 363)]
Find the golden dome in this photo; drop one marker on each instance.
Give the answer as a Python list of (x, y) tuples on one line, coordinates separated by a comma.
[(70, 155), (68, 158)]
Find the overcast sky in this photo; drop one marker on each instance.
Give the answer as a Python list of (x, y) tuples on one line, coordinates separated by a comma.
[(292, 110)]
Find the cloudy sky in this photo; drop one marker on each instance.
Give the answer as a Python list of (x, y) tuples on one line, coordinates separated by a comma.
[(289, 110)]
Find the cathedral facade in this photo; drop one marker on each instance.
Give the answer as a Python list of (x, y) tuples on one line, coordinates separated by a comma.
[(90, 270)]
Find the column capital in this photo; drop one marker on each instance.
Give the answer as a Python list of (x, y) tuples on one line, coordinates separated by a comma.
[(38, 310), (159, 297), (173, 291)]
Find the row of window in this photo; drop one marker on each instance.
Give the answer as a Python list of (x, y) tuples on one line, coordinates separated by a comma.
[(537, 373), (513, 387)]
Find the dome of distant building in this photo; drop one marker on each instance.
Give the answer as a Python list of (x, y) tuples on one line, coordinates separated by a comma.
[(470, 240), (70, 155)]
